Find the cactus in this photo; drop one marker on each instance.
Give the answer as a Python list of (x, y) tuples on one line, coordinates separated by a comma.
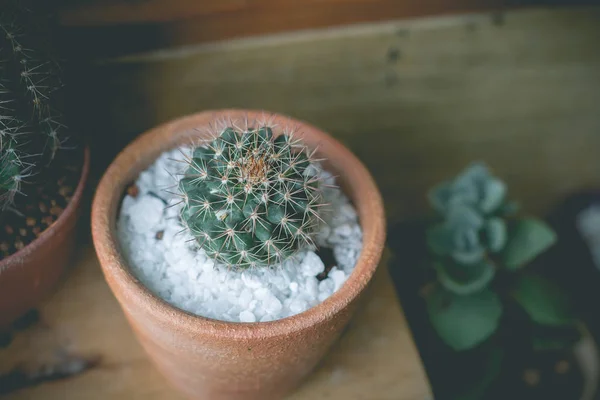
[(31, 128), (251, 198)]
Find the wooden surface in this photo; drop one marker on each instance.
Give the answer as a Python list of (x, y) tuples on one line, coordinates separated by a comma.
[(415, 100), (125, 26), (114, 12), (374, 360)]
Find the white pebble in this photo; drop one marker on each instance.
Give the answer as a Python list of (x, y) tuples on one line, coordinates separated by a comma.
[(297, 306), (312, 265), (247, 316), (326, 287), (252, 304), (343, 230), (338, 277), (267, 318), (145, 214), (272, 305), (245, 298)]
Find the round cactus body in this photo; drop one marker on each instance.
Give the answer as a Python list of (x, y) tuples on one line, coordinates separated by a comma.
[(250, 198)]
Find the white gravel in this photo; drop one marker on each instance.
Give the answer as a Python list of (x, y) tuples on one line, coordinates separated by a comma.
[(177, 270)]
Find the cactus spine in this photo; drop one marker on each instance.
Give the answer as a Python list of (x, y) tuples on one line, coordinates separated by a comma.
[(251, 198), (30, 123)]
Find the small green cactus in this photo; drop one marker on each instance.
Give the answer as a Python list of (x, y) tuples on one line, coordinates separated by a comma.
[(251, 198), (31, 128)]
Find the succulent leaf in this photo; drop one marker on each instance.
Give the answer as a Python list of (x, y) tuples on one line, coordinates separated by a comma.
[(463, 322), (465, 280), (543, 301), (474, 187), (496, 234), (469, 256), (458, 236), (527, 239), (494, 192)]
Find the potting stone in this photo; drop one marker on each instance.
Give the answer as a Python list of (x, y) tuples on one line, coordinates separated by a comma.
[(169, 261)]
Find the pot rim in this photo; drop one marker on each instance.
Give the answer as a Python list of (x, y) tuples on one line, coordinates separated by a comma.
[(127, 288), (15, 258)]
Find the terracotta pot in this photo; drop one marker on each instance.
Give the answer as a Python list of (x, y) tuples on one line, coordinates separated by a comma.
[(30, 274), (216, 360)]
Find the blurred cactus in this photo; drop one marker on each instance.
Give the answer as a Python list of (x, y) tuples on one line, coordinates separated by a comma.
[(31, 128)]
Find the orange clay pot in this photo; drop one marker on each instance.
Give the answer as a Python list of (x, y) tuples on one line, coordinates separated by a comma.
[(30, 274), (217, 360)]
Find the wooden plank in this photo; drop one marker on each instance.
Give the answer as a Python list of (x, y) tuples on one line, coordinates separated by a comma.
[(157, 11), (416, 100), (260, 21), (148, 11), (123, 26), (131, 27), (375, 357)]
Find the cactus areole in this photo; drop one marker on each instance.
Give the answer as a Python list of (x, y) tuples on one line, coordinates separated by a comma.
[(251, 198)]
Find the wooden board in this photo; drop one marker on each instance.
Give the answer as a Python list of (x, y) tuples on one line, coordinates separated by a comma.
[(375, 359), (124, 26), (101, 12), (415, 100)]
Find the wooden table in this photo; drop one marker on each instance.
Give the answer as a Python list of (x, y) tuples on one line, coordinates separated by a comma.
[(415, 100), (82, 322)]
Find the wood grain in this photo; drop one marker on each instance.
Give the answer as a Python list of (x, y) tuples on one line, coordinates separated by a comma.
[(148, 11), (251, 12), (416, 100), (375, 359), (120, 27)]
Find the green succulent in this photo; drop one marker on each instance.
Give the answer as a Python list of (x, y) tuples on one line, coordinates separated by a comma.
[(471, 230), (476, 237), (251, 198), (474, 187), (467, 236)]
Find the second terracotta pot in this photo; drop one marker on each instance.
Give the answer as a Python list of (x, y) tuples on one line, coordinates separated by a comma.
[(217, 360), (29, 275)]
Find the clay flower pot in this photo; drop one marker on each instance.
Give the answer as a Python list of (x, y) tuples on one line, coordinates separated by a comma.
[(30, 274), (217, 360)]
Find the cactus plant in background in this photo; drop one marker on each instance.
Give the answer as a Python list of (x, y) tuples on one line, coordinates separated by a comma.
[(37, 178), (479, 248), (31, 127), (250, 198)]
